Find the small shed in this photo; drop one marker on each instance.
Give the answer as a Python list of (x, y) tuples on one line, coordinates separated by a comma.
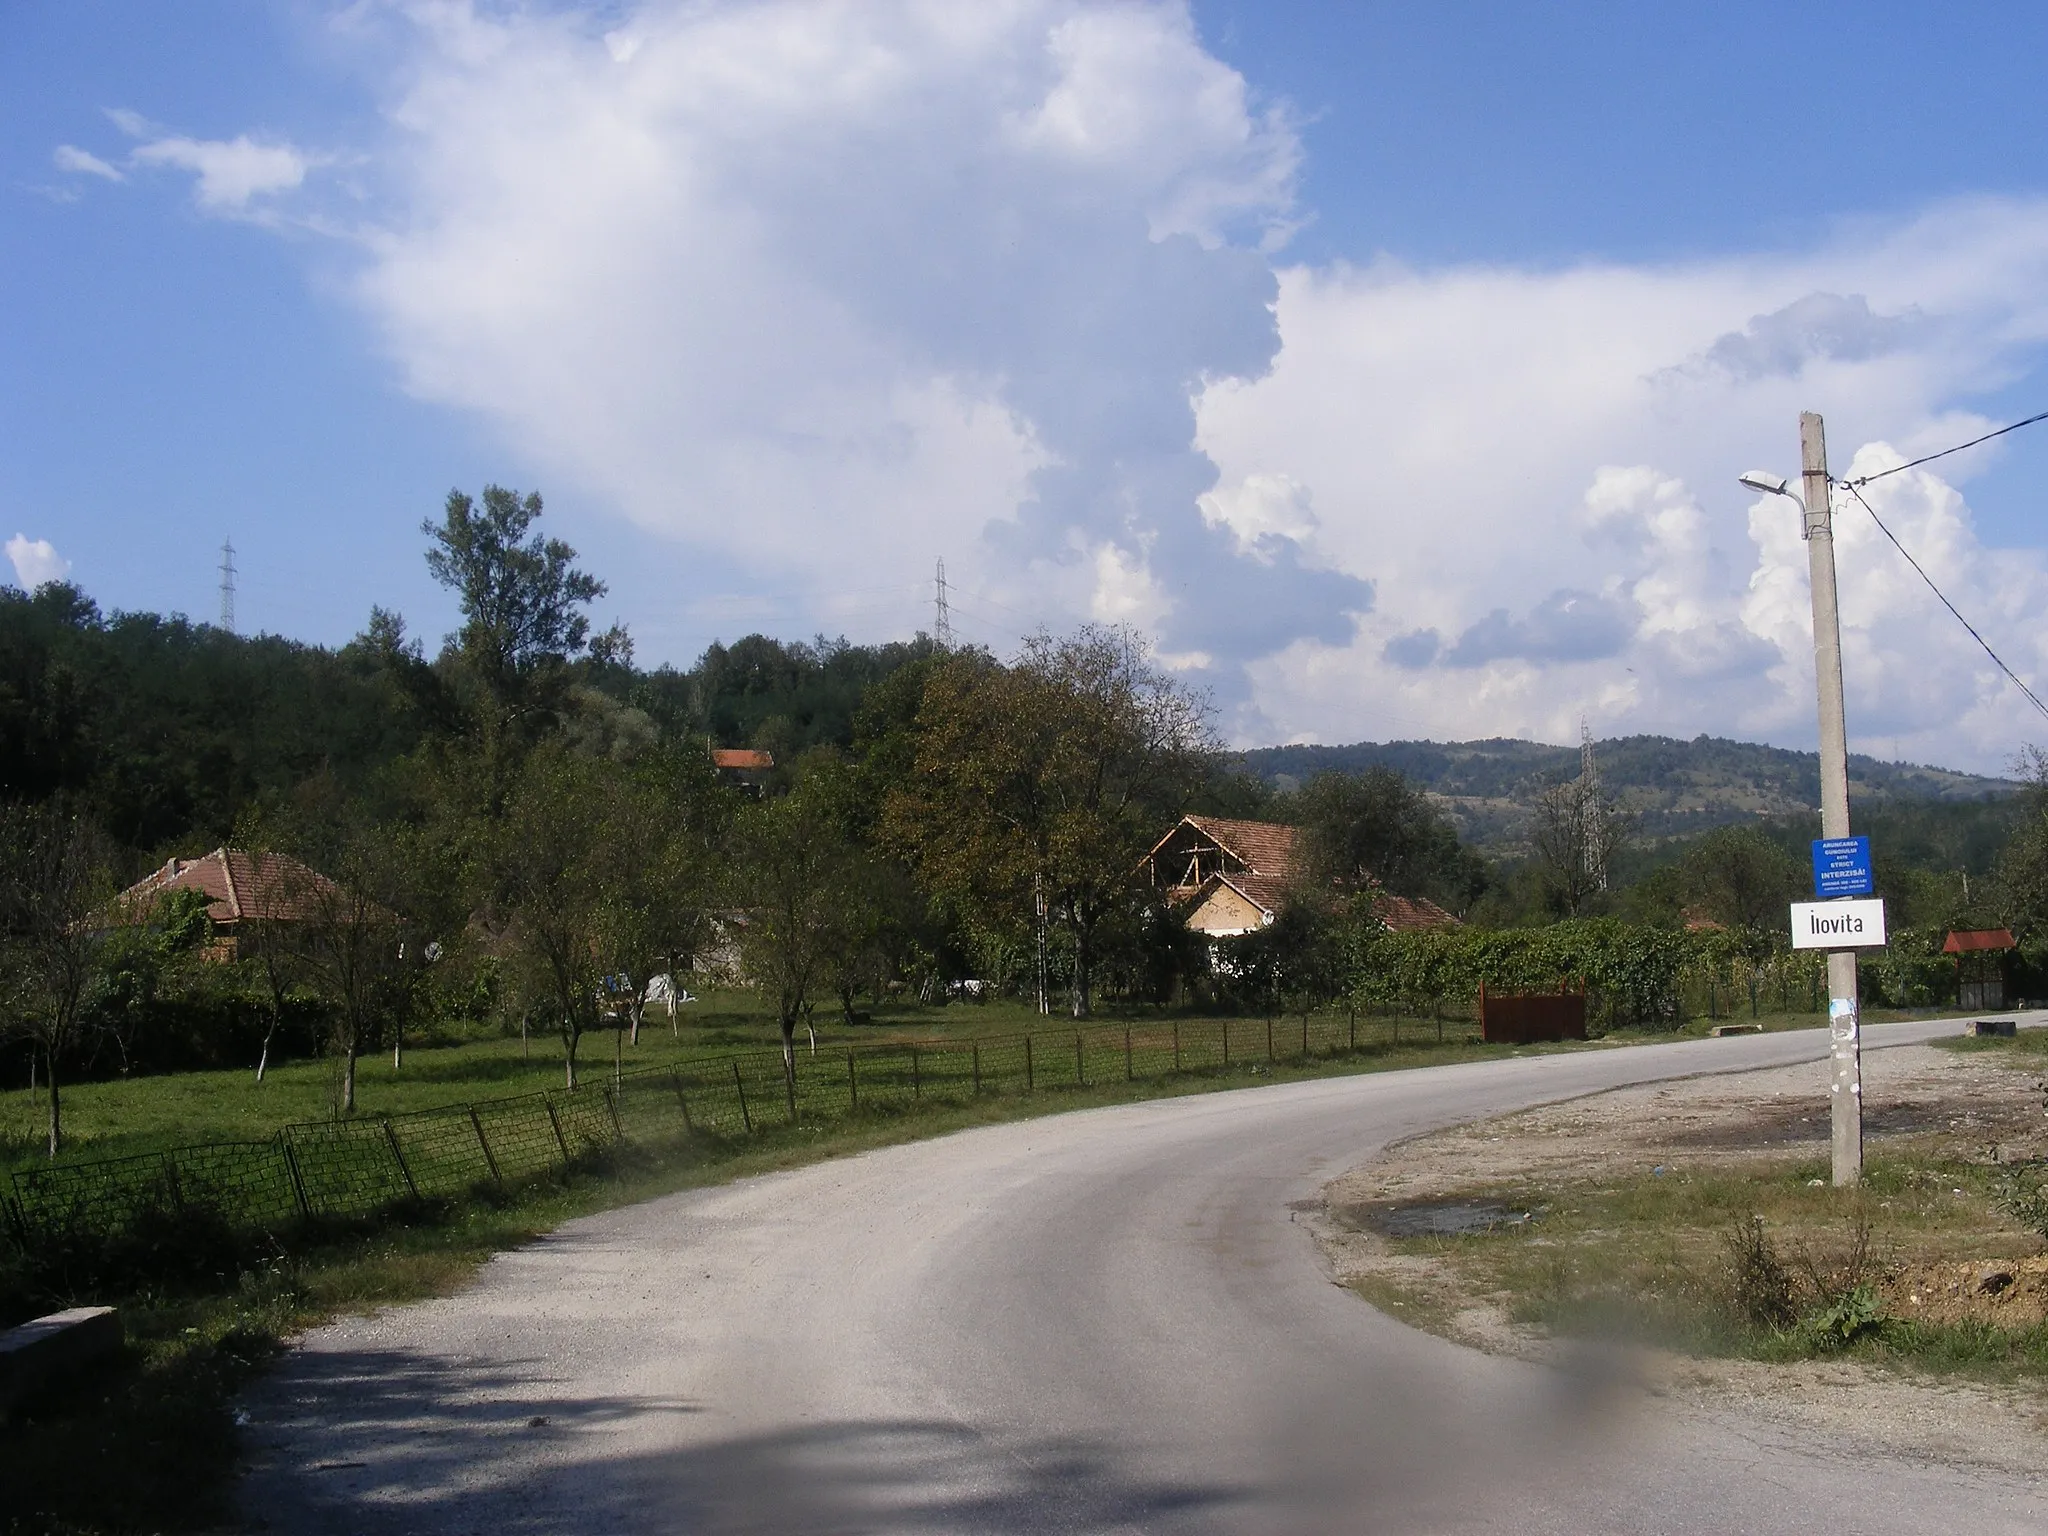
[(1981, 955)]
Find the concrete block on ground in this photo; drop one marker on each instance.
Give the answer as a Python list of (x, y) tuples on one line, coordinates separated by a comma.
[(36, 1353), (1995, 1027), (1722, 1031)]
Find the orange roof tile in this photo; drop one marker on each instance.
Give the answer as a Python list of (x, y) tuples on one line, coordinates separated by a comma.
[(237, 886)]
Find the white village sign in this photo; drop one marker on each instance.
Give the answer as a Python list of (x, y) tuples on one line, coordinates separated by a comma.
[(1838, 924)]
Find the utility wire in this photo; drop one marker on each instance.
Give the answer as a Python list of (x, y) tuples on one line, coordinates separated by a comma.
[(1929, 459), (1851, 487)]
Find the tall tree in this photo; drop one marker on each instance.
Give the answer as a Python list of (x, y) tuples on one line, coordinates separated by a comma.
[(56, 887), (1046, 780), (1743, 880), (523, 615)]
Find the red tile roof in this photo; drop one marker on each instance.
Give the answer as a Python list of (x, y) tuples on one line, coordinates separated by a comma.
[(741, 757), (1968, 942), (237, 886), (1267, 847), (1403, 914)]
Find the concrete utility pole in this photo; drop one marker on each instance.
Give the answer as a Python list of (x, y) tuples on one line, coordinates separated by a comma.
[(1846, 1091)]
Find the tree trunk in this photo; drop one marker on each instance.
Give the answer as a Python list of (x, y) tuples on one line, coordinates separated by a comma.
[(639, 1006), (789, 1059), (348, 1078), (1081, 968), (571, 1038), (397, 1045), (56, 1102)]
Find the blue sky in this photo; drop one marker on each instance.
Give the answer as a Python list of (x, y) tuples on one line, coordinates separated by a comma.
[(1375, 358)]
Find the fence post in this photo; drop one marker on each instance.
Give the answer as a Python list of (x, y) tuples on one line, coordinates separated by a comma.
[(555, 1120), (1030, 1082), (291, 1168), (398, 1157), (977, 1068), (675, 1079), (789, 1080), (1304, 1037), (476, 1124), (741, 1088), (611, 1104), (1176, 1045), (916, 1079), (1129, 1076), (1080, 1065), (1351, 1017), (852, 1084), (1269, 1041), (1226, 1042)]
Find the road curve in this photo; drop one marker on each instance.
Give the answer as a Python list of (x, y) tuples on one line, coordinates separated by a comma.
[(1102, 1321)]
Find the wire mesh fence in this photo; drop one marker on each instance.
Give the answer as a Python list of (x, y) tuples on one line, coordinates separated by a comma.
[(362, 1167)]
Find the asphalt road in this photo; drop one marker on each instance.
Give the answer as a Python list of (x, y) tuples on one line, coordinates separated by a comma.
[(1102, 1321)]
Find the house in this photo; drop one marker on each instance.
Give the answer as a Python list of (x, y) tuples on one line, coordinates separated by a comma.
[(240, 888), (744, 768), (1233, 877)]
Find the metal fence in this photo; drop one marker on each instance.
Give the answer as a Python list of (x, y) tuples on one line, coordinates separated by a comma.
[(361, 1167)]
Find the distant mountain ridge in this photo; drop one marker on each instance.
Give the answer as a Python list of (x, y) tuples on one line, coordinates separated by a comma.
[(1676, 787)]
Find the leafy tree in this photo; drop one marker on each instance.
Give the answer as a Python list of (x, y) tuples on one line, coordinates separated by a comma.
[(1046, 781), (56, 887), (352, 892), (2022, 880), (1376, 827), (523, 618), (1743, 879), (550, 892), (796, 877)]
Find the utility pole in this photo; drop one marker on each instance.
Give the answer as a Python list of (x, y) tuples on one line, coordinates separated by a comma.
[(1845, 1096), (227, 585)]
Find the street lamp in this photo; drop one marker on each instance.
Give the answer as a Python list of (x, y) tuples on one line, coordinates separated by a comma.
[(1846, 1089)]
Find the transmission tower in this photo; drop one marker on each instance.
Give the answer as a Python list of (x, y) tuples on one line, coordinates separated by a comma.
[(1592, 813), (227, 585), (942, 616)]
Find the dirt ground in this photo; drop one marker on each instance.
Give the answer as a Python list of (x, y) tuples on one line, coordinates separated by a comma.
[(1971, 1105)]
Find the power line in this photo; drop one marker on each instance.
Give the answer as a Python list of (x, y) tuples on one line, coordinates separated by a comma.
[(1851, 487), (1929, 458)]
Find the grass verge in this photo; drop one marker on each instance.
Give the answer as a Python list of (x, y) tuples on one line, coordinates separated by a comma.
[(1763, 1261)]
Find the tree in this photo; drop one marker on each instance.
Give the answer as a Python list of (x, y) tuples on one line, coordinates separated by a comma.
[(1376, 827), (1578, 835), (1743, 880), (2022, 879), (796, 877), (56, 888), (349, 895), (550, 892), (523, 619), (1045, 781)]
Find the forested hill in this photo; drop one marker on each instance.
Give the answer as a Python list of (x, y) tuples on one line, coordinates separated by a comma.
[(1674, 786)]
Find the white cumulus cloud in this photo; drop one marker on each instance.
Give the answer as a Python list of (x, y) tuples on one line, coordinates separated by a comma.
[(36, 561), (1535, 469), (823, 291)]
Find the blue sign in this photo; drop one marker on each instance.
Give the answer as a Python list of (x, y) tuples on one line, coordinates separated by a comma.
[(1841, 866)]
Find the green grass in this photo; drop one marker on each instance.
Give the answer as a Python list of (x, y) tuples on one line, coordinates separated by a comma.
[(1652, 1257)]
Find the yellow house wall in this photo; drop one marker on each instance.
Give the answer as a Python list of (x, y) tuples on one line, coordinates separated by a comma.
[(1225, 911)]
